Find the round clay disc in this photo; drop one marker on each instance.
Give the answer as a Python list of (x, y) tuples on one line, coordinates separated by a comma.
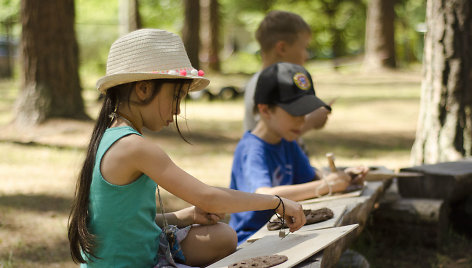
[(261, 261)]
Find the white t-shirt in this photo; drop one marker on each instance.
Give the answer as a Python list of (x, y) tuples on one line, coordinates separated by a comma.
[(250, 120)]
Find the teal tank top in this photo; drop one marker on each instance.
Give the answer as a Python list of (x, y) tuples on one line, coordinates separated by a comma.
[(122, 217)]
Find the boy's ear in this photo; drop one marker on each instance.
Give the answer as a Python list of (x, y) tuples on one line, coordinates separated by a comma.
[(143, 89), (280, 48), (263, 110)]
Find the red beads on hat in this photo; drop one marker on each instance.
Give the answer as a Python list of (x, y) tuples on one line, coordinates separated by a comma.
[(183, 72)]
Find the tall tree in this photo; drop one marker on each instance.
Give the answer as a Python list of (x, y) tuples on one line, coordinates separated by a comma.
[(380, 31), (130, 19), (210, 33), (49, 51), (191, 30), (214, 35), (444, 130)]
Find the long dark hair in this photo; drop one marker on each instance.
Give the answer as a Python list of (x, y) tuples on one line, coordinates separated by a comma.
[(80, 238)]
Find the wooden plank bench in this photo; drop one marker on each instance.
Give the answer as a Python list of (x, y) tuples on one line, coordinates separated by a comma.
[(357, 211), (321, 244)]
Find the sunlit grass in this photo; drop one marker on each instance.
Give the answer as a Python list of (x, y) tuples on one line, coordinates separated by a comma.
[(8, 92)]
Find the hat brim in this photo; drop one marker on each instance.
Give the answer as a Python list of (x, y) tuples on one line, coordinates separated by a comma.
[(109, 81), (303, 105)]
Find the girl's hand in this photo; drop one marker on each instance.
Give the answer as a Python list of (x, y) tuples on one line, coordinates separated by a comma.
[(294, 216), (202, 217)]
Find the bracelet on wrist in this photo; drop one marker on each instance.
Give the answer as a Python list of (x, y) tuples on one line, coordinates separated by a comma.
[(278, 205), (282, 217)]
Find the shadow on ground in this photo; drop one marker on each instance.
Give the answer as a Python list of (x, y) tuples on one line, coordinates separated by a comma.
[(26, 245), (387, 250), (54, 252), (36, 203)]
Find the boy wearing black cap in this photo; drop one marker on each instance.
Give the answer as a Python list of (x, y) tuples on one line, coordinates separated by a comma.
[(268, 159), (283, 37)]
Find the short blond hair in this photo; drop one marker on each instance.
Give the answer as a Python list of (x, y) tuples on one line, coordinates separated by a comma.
[(280, 26)]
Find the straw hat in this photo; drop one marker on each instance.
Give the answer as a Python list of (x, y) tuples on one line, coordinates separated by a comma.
[(149, 54)]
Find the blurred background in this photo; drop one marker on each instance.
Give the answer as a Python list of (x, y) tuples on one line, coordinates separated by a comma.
[(219, 34)]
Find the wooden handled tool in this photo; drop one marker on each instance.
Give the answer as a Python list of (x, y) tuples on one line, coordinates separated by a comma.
[(332, 166)]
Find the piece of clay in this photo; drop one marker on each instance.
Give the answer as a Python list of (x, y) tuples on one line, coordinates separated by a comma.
[(312, 216), (261, 261)]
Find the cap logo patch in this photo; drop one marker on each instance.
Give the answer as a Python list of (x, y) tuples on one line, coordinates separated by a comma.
[(302, 81)]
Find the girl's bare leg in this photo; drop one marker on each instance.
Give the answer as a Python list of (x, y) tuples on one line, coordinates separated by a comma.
[(206, 244)]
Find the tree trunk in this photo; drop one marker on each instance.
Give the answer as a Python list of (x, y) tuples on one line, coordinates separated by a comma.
[(444, 130), (380, 42), (191, 31), (214, 58), (130, 20), (209, 33), (49, 51)]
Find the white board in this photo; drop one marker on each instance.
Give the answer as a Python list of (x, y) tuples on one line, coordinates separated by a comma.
[(296, 246), (338, 212)]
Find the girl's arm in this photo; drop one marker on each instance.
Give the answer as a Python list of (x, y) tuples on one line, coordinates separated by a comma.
[(153, 161), (188, 216)]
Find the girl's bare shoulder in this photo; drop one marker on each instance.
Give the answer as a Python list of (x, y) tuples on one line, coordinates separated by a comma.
[(137, 146), (142, 151)]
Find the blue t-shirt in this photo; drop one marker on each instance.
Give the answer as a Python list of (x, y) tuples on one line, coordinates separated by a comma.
[(259, 164)]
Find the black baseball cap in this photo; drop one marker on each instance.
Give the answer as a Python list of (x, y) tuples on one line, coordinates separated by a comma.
[(288, 86)]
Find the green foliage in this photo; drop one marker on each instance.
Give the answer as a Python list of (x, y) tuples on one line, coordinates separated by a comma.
[(328, 17), (242, 62), (9, 14), (348, 19), (247, 5), (411, 15), (330, 20), (162, 14), (96, 28), (9, 9)]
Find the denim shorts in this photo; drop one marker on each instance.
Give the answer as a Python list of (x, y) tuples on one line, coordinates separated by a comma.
[(168, 255)]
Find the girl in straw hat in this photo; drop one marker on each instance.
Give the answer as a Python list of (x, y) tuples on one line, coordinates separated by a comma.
[(113, 222)]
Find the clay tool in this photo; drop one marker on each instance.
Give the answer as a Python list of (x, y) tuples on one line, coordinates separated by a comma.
[(332, 166)]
